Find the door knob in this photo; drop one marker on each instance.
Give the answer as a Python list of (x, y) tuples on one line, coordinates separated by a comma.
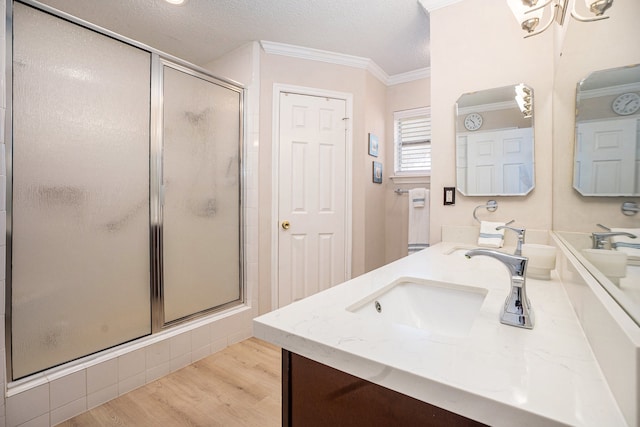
[(285, 225)]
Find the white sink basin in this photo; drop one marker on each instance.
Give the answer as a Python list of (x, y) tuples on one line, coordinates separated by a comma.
[(442, 308), (460, 250)]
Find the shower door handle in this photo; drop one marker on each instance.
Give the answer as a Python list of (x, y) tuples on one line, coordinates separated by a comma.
[(285, 225)]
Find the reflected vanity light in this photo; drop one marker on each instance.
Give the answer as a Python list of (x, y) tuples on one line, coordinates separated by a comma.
[(523, 99), (529, 13), (176, 2)]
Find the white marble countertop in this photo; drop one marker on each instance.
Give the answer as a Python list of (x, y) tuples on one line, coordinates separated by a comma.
[(498, 374)]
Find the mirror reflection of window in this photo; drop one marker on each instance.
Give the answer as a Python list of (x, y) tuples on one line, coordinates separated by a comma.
[(607, 148), (494, 142)]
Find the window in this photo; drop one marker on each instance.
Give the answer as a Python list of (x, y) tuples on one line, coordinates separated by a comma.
[(412, 136)]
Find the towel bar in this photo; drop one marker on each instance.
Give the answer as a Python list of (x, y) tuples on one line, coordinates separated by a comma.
[(491, 206), (630, 208)]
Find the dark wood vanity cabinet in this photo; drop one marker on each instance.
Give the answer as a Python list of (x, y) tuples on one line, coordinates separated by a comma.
[(314, 394)]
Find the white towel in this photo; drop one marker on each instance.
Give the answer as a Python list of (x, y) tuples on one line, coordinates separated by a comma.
[(417, 197), (626, 244), (418, 219), (489, 236)]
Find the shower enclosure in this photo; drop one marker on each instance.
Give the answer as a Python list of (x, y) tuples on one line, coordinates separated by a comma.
[(123, 191)]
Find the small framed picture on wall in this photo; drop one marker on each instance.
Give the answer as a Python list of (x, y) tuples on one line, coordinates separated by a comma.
[(377, 172), (373, 145)]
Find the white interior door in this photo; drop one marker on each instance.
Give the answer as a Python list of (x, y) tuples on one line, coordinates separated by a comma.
[(606, 157), (499, 162), (312, 195)]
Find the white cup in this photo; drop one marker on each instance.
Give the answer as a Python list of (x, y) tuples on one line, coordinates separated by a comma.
[(542, 259)]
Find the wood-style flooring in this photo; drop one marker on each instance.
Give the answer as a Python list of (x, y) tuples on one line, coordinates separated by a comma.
[(238, 386)]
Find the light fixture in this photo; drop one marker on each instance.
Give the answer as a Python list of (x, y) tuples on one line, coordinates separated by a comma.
[(176, 2), (597, 7), (529, 13)]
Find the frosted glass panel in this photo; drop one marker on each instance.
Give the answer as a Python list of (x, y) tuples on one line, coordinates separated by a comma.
[(80, 277), (201, 217)]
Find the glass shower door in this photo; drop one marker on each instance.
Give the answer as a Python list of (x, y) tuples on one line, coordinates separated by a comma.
[(201, 209), (80, 210)]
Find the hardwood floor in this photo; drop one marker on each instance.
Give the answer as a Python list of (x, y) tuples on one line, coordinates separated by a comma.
[(239, 386)]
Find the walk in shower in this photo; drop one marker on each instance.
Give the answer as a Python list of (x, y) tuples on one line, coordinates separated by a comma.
[(124, 191)]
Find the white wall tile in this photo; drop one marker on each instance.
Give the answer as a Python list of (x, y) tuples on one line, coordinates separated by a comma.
[(158, 354), (180, 362), (99, 397), (241, 335), (3, 373), (27, 405), (158, 372), (68, 389), (180, 345), (200, 337), (200, 353), (102, 376), (2, 337), (41, 421), (69, 410), (131, 364), (3, 227), (3, 193), (3, 260), (3, 164), (131, 383), (218, 345), (220, 329)]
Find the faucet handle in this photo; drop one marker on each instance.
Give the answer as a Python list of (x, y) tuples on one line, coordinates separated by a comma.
[(599, 238), (520, 231)]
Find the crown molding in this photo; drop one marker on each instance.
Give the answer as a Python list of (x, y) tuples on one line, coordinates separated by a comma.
[(431, 5), (496, 106), (342, 59), (409, 76), (610, 90)]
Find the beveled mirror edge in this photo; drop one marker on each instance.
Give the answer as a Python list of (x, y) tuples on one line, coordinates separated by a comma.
[(458, 110), (620, 88)]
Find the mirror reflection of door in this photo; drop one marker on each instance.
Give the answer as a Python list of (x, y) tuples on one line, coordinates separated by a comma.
[(495, 142), (499, 162), (605, 160), (607, 134)]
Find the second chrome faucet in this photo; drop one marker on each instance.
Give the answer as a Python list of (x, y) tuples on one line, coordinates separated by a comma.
[(517, 309)]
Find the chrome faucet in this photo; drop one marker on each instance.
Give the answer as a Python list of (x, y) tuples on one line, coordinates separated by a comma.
[(517, 309), (520, 232), (599, 238)]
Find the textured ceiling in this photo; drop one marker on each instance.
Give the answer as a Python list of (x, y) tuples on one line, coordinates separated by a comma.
[(393, 33)]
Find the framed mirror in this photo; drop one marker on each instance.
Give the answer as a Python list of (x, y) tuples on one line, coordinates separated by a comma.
[(607, 137), (494, 142)]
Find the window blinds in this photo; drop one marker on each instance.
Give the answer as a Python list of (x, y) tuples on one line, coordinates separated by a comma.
[(413, 142)]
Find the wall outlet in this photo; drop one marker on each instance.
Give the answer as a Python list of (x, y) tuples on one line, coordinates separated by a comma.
[(449, 195)]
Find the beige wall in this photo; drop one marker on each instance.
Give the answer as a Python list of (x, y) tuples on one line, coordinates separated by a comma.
[(470, 54), (403, 96), (236, 65), (588, 47), (374, 233)]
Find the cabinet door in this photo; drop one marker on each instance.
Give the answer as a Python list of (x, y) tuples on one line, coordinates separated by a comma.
[(314, 394)]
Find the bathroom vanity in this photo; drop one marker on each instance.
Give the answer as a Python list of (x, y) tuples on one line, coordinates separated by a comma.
[(351, 349)]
